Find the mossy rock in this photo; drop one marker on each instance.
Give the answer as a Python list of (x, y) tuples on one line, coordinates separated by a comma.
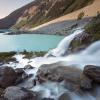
[(93, 27), (90, 35)]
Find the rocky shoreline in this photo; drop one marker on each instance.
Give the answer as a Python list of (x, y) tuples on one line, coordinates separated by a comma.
[(64, 30), (75, 80)]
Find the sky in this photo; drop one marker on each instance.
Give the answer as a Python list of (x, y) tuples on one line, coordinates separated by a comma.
[(7, 6)]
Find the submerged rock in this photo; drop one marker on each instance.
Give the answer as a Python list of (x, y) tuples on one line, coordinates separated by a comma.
[(17, 93), (93, 72), (7, 76)]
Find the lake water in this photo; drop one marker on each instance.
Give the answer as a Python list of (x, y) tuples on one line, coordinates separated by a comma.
[(29, 42)]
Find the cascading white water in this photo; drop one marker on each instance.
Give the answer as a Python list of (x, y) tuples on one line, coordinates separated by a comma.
[(89, 56), (93, 49), (62, 47)]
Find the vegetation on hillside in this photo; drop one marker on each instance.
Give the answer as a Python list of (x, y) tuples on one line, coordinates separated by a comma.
[(57, 9), (41, 11), (93, 27)]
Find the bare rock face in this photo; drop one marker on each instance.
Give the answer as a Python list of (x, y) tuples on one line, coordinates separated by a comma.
[(17, 93), (7, 76), (93, 72)]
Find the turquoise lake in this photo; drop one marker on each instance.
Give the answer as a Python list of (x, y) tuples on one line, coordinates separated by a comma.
[(29, 42)]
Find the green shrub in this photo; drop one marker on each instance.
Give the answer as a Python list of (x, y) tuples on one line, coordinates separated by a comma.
[(33, 54), (20, 24), (94, 26)]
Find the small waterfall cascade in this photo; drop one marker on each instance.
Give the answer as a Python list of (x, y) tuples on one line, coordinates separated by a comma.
[(89, 56), (62, 47), (93, 48)]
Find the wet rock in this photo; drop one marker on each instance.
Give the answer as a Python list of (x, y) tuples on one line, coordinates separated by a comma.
[(7, 76), (1, 92), (28, 67), (65, 96), (21, 75), (55, 73), (17, 93), (19, 71), (85, 83), (25, 80), (80, 42), (93, 72), (47, 99)]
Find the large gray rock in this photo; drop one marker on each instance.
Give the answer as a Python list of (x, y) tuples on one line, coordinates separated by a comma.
[(47, 99), (17, 93), (85, 82), (65, 96), (56, 73), (80, 42), (7, 76), (92, 72), (21, 76), (1, 93)]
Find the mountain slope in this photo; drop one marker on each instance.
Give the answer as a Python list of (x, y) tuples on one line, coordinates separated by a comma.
[(12, 18), (69, 20), (41, 11)]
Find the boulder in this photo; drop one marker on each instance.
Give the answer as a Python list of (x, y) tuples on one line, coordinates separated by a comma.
[(19, 71), (7, 76), (80, 42), (93, 72), (56, 73), (85, 82), (28, 67), (21, 75), (47, 99), (65, 96), (17, 93), (1, 93)]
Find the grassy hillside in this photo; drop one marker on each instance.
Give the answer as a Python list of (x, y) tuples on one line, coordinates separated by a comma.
[(68, 20), (41, 11), (49, 10)]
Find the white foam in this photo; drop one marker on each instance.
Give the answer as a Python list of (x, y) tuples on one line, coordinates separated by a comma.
[(62, 47)]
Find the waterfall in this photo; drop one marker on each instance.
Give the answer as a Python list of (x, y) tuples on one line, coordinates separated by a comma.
[(93, 49), (62, 47), (89, 56)]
